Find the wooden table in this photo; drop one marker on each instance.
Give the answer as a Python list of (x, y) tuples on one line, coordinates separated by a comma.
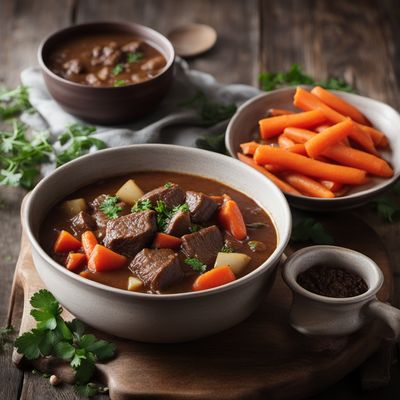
[(358, 40)]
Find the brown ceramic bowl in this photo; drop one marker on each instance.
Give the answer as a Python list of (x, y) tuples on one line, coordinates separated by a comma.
[(108, 105)]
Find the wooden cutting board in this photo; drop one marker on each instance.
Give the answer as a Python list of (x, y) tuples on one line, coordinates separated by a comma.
[(263, 357)]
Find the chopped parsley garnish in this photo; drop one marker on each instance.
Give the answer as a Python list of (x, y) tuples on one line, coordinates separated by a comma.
[(135, 57), (14, 102), (196, 264), (110, 207), (119, 82), (53, 336), (142, 205), (168, 185), (163, 215), (194, 228), (117, 69), (182, 207), (309, 230), (226, 249)]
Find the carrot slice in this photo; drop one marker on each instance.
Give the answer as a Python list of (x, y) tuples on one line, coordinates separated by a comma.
[(359, 159), (249, 147), (231, 218), (214, 278), (89, 241), (165, 241), (285, 142), (276, 112), (307, 101), (273, 126), (285, 187), (299, 135), (75, 261), (66, 242), (307, 186), (307, 166), (104, 259), (340, 105), (319, 143), (85, 274)]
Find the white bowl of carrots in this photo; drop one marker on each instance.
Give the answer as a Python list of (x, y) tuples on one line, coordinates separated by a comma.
[(326, 150)]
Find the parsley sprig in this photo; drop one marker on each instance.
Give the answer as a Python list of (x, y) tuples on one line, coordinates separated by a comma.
[(196, 265), (14, 102), (110, 207), (117, 69), (309, 230), (53, 336), (135, 57), (295, 76)]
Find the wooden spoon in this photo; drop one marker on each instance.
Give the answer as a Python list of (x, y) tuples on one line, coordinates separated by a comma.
[(192, 39)]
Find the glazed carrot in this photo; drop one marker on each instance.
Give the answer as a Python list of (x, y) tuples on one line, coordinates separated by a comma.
[(231, 218), (285, 187), (75, 261), (85, 274), (103, 259), (340, 105), (307, 101), (214, 278), (165, 241), (299, 135), (307, 186), (377, 137), (284, 142), (298, 148), (332, 186), (321, 128), (89, 242), (307, 166), (319, 143), (249, 147), (66, 242), (275, 169), (359, 159), (273, 126), (276, 112)]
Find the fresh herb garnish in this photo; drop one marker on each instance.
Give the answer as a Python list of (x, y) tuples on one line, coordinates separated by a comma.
[(5, 337), (66, 340), (194, 228), (77, 141), (135, 57), (110, 207), (168, 185), (14, 102), (309, 230), (256, 225), (163, 215), (213, 142), (252, 245), (226, 249), (386, 208), (21, 157), (117, 69), (181, 208), (119, 82), (142, 205), (296, 76), (196, 264)]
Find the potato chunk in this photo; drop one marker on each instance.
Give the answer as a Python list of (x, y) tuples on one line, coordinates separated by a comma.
[(73, 207), (236, 261), (130, 192), (134, 284)]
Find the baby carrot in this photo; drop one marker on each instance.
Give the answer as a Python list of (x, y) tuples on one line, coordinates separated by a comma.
[(378, 137), (307, 166), (332, 186), (299, 135), (276, 112), (321, 128), (319, 143), (359, 159), (249, 147), (285, 187), (284, 142), (307, 186), (231, 218), (273, 126), (340, 105), (307, 101), (298, 148)]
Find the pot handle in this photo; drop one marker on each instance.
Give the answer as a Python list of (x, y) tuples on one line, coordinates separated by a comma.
[(388, 314)]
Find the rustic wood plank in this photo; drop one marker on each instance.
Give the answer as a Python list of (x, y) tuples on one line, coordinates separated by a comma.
[(234, 57)]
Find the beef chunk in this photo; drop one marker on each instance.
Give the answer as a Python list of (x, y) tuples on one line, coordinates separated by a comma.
[(157, 268), (204, 244), (232, 243), (179, 224), (154, 63), (73, 67), (83, 222), (172, 196), (130, 233), (201, 206)]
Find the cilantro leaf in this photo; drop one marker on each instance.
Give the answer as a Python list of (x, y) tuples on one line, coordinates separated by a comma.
[(196, 264), (64, 350), (119, 82), (117, 69), (134, 57), (14, 102), (168, 185), (110, 207), (29, 343), (309, 230), (43, 299), (386, 208)]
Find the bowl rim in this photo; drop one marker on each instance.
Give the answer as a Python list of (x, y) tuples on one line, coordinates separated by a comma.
[(362, 195), (125, 24), (272, 259)]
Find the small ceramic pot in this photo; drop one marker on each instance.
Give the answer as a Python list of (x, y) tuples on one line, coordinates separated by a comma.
[(313, 314)]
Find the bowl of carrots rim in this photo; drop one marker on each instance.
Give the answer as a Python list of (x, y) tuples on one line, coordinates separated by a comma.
[(326, 150)]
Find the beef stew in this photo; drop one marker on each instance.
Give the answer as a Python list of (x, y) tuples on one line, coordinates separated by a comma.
[(159, 232)]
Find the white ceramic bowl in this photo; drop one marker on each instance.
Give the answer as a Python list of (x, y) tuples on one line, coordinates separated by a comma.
[(149, 317), (245, 122)]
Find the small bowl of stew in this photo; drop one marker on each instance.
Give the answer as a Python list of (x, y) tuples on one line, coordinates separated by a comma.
[(157, 243), (107, 72)]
